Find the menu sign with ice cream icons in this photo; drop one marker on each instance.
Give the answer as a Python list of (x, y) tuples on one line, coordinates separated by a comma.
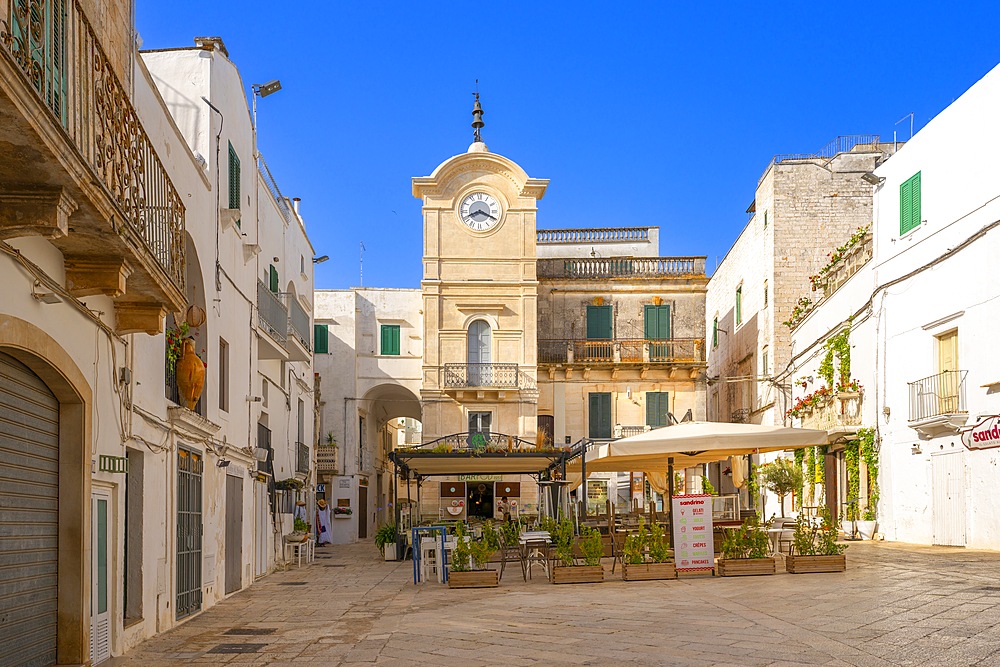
[(693, 547)]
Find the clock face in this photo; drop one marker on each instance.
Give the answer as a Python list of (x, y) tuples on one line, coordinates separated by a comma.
[(480, 212)]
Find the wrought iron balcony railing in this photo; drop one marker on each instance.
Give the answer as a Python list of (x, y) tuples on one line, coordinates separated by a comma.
[(936, 395), (271, 312), (621, 267), (301, 457), (54, 45), (477, 441), (621, 350), (492, 376), (298, 322)]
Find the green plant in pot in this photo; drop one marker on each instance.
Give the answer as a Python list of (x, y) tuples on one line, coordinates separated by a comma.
[(461, 555), (591, 546), (634, 547), (562, 542), (749, 541), (385, 535)]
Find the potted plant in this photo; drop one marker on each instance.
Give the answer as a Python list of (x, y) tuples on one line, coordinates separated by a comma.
[(646, 555), (566, 571), (386, 539), (867, 524), (469, 560), (342, 512), (745, 551), (815, 548), (300, 531)]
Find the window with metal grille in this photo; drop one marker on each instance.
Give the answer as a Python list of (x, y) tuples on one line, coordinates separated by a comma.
[(909, 204)]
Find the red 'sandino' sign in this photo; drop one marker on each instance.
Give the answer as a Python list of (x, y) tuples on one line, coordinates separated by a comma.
[(983, 435)]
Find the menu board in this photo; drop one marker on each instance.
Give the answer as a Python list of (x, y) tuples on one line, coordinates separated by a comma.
[(692, 519)]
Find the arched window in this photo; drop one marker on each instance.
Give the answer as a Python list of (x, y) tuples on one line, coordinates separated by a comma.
[(480, 353)]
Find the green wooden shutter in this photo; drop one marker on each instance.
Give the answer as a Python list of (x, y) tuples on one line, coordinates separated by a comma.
[(657, 322), (273, 279), (390, 339), (599, 323), (909, 204), (234, 178), (739, 305), (715, 332), (600, 415), (657, 406), (321, 339)]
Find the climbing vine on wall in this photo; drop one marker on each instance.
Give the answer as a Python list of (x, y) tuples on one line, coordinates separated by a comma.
[(810, 474), (853, 479), (800, 456), (838, 347), (869, 454), (820, 465)]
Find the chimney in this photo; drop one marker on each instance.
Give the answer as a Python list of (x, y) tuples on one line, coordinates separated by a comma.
[(295, 204)]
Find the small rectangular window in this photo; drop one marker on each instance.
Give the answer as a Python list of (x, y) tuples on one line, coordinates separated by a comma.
[(321, 339), (909, 204), (739, 305), (764, 361), (765, 294), (390, 339), (272, 279), (765, 219), (223, 364), (657, 409), (715, 332)]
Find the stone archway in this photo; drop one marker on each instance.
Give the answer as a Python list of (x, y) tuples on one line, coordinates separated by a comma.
[(53, 365)]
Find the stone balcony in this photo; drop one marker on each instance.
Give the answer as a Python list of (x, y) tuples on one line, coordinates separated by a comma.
[(77, 167), (840, 413), (852, 261)]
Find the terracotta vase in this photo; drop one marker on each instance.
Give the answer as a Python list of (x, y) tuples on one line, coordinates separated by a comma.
[(190, 375)]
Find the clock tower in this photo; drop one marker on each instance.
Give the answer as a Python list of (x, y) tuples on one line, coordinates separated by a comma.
[(479, 294)]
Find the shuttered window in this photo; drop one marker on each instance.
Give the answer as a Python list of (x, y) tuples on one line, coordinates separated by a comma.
[(272, 278), (657, 408), (599, 323), (909, 204), (390, 339), (657, 322), (321, 339), (715, 332), (234, 179), (600, 415)]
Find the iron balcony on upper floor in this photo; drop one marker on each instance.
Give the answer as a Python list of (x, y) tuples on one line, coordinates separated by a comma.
[(590, 352), (286, 323), (937, 404), (77, 166)]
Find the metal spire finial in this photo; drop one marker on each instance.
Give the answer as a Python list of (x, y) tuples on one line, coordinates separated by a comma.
[(477, 118)]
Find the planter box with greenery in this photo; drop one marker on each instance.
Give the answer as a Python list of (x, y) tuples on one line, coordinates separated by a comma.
[(646, 555), (385, 541), (815, 548), (470, 557), (566, 571), (744, 552)]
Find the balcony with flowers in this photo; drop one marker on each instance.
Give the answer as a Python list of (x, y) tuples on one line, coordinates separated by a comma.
[(844, 261)]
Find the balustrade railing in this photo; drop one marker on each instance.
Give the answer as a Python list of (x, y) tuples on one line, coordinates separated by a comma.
[(298, 320), (54, 45), (940, 394), (500, 376), (271, 312), (621, 267), (621, 350), (477, 441), (595, 235)]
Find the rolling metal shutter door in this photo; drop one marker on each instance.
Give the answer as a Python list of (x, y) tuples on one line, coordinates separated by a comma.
[(29, 505)]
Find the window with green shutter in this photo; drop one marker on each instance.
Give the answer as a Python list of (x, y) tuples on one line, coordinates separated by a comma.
[(657, 328), (599, 417), (321, 339), (657, 408), (390, 339), (272, 279), (715, 332), (599, 323), (739, 305), (234, 179), (909, 204)]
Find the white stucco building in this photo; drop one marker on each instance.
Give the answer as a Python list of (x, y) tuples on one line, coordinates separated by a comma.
[(920, 314), (142, 512)]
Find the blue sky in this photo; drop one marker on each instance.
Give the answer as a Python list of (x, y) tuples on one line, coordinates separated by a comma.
[(640, 113)]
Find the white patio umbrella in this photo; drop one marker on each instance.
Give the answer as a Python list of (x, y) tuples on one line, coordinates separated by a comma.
[(692, 443)]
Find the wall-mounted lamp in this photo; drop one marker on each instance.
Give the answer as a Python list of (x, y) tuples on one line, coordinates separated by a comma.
[(320, 259), (44, 297), (223, 463), (869, 177)]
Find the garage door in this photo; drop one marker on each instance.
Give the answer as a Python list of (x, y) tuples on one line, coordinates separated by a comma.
[(29, 485)]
